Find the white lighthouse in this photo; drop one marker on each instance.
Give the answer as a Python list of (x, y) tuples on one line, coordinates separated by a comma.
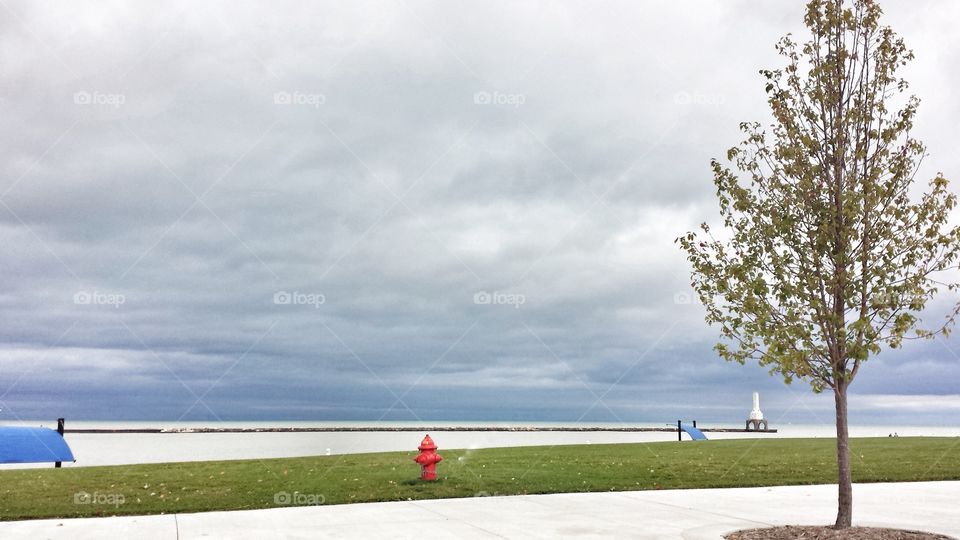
[(755, 413), (756, 420)]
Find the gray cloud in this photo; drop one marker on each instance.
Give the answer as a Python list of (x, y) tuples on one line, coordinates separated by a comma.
[(417, 155)]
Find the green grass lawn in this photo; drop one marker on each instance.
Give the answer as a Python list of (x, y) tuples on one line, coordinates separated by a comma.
[(247, 484)]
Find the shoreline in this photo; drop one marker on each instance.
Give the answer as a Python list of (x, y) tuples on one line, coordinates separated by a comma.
[(98, 443), (389, 429)]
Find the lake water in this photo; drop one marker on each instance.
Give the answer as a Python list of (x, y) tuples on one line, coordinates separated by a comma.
[(117, 449)]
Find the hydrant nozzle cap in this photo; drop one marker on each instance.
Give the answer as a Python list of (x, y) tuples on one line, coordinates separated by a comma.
[(427, 444)]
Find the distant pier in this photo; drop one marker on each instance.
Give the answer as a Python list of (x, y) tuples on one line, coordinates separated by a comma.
[(366, 429)]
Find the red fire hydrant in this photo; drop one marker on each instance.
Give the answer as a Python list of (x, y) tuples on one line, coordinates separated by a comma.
[(428, 459)]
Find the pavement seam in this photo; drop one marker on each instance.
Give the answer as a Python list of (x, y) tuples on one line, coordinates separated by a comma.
[(448, 518), (696, 511), (537, 500)]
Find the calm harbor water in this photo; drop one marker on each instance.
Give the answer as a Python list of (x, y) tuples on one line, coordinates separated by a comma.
[(126, 448)]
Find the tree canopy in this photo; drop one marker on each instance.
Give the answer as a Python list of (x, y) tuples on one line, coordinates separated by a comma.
[(828, 254)]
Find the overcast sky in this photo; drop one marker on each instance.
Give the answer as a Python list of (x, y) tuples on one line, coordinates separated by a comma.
[(399, 210)]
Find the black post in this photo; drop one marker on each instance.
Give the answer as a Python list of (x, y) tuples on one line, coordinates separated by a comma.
[(60, 431), (694, 423), (679, 433)]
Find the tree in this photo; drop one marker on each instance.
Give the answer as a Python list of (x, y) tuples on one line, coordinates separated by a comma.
[(827, 254)]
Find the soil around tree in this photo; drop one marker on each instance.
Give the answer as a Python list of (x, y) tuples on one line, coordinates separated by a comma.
[(829, 533)]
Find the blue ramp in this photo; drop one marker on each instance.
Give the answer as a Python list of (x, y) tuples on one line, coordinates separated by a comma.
[(32, 445), (693, 432)]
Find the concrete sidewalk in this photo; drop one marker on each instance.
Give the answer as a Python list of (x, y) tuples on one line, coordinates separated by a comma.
[(688, 514)]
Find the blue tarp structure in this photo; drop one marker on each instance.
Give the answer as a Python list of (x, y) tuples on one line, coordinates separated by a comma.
[(694, 433), (32, 445)]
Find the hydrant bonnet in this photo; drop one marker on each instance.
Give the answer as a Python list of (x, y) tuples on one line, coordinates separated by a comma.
[(427, 444)]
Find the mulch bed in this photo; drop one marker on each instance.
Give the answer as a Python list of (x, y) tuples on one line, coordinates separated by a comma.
[(829, 533)]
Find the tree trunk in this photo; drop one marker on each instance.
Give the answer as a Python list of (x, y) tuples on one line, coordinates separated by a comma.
[(844, 481)]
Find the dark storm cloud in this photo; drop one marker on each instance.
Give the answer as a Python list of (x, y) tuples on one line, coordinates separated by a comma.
[(389, 210)]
